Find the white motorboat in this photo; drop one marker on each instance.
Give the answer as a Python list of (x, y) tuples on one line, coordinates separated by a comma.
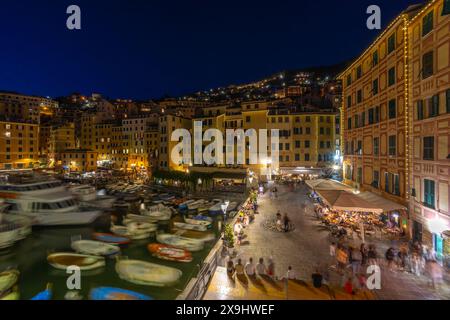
[(46, 203), (84, 192), (101, 202), (9, 234), (180, 242), (63, 260), (22, 223), (146, 273), (133, 235), (188, 226), (158, 212), (96, 248), (206, 223)]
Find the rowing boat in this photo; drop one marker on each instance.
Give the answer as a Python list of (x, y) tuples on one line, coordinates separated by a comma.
[(125, 232), (168, 252), (63, 260), (188, 226), (111, 238), (180, 242), (205, 223), (146, 273), (96, 248), (8, 279), (110, 293)]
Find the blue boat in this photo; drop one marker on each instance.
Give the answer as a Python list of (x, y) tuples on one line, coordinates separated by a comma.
[(44, 295), (110, 293)]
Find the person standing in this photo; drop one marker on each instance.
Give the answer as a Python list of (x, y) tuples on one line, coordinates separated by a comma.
[(261, 267), (435, 272), (286, 222), (363, 253), (317, 279), (355, 260), (271, 268), (250, 268), (239, 268)]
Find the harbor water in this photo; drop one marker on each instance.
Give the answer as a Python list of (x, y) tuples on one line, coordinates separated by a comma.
[(29, 256)]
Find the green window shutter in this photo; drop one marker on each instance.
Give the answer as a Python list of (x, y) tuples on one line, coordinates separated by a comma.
[(420, 110), (448, 100), (391, 43), (427, 23), (446, 8), (427, 65), (391, 76), (375, 58)]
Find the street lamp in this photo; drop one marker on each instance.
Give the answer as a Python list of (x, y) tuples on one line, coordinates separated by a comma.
[(224, 207)]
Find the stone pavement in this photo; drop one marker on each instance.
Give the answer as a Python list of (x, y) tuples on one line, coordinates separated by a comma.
[(307, 247)]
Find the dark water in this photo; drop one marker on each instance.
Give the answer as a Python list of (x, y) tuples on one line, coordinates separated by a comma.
[(30, 257)]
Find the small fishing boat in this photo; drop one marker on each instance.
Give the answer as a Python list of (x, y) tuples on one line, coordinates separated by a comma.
[(138, 218), (192, 234), (14, 295), (47, 294), (126, 232), (62, 260), (184, 205), (180, 242), (168, 252), (146, 273), (188, 226), (215, 209), (205, 223), (110, 293), (22, 223), (110, 238), (138, 227), (96, 248), (8, 279), (201, 218), (158, 215)]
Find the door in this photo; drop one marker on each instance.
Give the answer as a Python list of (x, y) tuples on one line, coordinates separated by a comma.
[(438, 244), (417, 231)]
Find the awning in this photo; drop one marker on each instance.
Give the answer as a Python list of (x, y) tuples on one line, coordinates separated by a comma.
[(346, 201), (324, 184), (380, 202)]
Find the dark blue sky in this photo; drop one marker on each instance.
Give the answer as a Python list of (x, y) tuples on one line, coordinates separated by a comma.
[(144, 49)]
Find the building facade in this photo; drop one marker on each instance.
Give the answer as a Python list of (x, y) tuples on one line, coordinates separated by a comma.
[(429, 54)]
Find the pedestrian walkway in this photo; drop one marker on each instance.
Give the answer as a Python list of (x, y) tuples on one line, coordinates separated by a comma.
[(306, 248), (223, 287)]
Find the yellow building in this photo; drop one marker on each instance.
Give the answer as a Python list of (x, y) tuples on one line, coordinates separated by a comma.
[(61, 137), (19, 107), (429, 95), (78, 160), (18, 145), (167, 124), (375, 114)]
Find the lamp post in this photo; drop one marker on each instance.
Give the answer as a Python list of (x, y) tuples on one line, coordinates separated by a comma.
[(224, 207)]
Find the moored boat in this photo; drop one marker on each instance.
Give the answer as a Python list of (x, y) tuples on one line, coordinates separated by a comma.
[(8, 279), (168, 252), (201, 222), (97, 248), (126, 232), (188, 226), (180, 242), (62, 260), (138, 218), (146, 273), (110, 293), (110, 238), (47, 294)]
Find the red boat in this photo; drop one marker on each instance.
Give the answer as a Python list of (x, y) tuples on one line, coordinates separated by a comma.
[(110, 238), (168, 252)]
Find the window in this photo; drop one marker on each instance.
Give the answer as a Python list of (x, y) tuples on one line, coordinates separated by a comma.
[(308, 119), (349, 123), (428, 193), (391, 43), (434, 106), (349, 79), (321, 131), (359, 96), (359, 175), (306, 143), (392, 109), (374, 58), (428, 148), (446, 8), (308, 130), (375, 87), (392, 183), (371, 111), (359, 150), (297, 144), (419, 110), (427, 24), (297, 157), (377, 114), (448, 99), (376, 146), (391, 76), (376, 179), (358, 72), (392, 145), (349, 101), (287, 146), (306, 156), (427, 65)]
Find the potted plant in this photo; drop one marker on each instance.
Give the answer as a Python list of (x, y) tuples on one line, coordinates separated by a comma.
[(228, 238)]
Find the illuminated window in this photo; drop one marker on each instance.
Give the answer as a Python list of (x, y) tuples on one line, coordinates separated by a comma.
[(427, 24)]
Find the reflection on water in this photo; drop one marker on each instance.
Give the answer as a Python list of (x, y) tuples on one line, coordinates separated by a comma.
[(30, 257)]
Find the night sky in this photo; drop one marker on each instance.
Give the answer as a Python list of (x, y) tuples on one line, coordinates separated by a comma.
[(145, 49)]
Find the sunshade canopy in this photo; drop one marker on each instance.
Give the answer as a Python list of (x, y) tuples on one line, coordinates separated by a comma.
[(347, 201)]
